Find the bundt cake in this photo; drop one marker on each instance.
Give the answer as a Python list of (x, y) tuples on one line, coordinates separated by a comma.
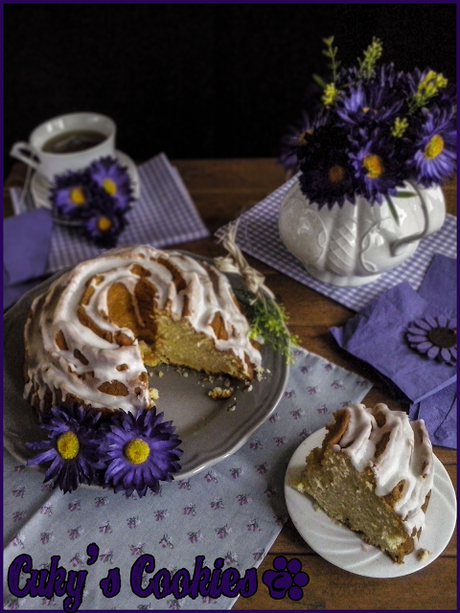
[(373, 473), (89, 338)]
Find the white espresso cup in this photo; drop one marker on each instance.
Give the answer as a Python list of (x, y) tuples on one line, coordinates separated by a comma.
[(69, 142)]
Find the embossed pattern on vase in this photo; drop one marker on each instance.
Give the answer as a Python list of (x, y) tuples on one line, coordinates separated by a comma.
[(342, 248), (351, 245)]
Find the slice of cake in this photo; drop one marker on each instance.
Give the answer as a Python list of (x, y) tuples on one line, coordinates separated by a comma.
[(89, 337), (374, 474)]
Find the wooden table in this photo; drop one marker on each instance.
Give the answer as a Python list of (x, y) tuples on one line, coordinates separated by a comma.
[(222, 190)]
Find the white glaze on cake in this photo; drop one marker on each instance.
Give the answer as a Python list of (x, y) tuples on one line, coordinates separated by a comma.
[(202, 293), (407, 457)]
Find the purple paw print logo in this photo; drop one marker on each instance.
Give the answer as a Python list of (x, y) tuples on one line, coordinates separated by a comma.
[(286, 578)]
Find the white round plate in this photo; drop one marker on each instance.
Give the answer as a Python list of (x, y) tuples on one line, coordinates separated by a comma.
[(210, 430), (344, 548), (40, 185)]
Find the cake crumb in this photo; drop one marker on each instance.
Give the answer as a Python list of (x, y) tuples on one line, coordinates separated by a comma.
[(218, 393), (259, 373), (153, 393), (232, 407), (208, 379), (182, 371), (160, 373), (422, 554), (299, 486)]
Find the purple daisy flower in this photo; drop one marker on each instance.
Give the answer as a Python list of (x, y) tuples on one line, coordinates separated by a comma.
[(367, 103), (71, 194), (435, 144), (376, 129), (289, 143), (435, 337), (102, 224), (142, 450), (72, 447), (386, 76), (377, 169), (114, 179), (347, 76), (327, 176), (293, 142)]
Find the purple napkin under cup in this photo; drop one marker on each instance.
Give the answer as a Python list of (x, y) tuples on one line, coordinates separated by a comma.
[(26, 245)]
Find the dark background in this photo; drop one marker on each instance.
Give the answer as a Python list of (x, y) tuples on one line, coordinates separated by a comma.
[(203, 80)]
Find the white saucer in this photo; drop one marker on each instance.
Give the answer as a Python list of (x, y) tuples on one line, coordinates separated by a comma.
[(40, 185), (344, 548)]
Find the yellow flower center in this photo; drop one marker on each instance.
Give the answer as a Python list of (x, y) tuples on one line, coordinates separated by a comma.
[(374, 166), (109, 186), (68, 445), (136, 451), (302, 138), (336, 174), (434, 147), (104, 224), (77, 196)]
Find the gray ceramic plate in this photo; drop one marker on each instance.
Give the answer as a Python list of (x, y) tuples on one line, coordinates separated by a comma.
[(210, 430)]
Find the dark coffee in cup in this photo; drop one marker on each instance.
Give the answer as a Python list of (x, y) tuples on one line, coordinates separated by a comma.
[(71, 142), (67, 143)]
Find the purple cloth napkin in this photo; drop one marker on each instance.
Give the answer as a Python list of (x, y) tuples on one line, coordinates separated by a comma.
[(377, 335), (26, 245), (439, 412), (439, 286)]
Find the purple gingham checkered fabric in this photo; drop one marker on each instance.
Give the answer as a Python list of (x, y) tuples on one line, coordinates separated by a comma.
[(164, 215), (258, 236)]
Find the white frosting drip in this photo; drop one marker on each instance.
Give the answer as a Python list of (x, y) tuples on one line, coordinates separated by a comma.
[(207, 293), (407, 457)]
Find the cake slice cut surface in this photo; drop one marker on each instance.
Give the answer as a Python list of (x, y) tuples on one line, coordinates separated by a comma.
[(374, 474), (89, 338)]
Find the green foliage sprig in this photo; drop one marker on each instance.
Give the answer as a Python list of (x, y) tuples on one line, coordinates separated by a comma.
[(371, 55), (269, 321), (331, 53)]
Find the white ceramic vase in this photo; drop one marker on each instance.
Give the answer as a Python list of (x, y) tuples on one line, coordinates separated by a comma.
[(352, 245)]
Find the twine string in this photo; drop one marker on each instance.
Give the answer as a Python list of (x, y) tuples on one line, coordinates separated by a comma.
[(235, 262)]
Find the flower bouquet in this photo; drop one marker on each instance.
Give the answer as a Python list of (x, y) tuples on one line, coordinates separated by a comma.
[(376, 129), (96, 199), (380, 137)]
